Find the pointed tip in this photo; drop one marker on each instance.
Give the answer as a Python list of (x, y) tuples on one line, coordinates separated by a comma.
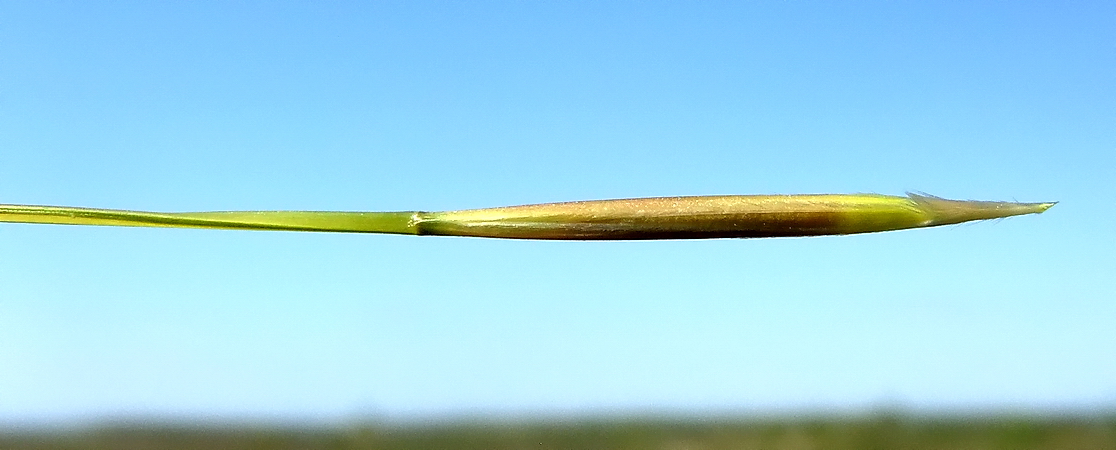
[(944, 211), (1026, 208), (1042, 207)]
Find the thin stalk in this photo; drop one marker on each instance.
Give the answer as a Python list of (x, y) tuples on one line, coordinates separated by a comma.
[(737, 216)]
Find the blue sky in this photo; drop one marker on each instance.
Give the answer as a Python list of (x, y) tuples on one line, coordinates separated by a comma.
[(453, 105)]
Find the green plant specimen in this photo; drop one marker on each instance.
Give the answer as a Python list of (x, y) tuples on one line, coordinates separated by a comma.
[(736, 216)]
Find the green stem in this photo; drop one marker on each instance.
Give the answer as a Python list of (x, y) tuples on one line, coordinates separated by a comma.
[(355, 222)]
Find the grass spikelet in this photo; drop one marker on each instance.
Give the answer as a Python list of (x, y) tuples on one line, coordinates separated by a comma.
[(701, 217)]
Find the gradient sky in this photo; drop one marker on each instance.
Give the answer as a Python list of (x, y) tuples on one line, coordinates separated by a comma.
[(181, 106)]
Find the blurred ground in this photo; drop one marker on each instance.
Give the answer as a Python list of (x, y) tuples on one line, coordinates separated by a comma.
[(866, 433)]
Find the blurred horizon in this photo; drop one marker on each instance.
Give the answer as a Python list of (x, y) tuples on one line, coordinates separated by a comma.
[(790, 432), (540, 416)]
